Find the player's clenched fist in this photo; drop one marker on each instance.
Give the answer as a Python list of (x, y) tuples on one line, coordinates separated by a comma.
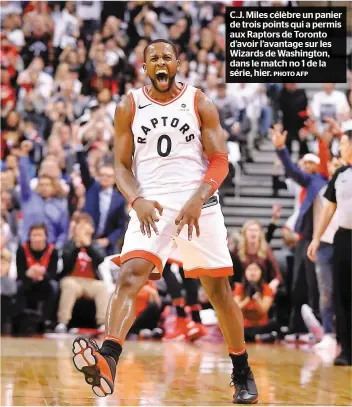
[(189, 215), (146, 212)]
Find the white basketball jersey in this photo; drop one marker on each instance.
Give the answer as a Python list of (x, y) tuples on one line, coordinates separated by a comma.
[(168, 153)]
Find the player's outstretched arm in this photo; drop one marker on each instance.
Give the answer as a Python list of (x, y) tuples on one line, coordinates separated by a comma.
[(213, 139), (125, 180)]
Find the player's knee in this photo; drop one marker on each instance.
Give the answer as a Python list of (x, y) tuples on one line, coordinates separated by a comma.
[(217, 288), (130, 278)]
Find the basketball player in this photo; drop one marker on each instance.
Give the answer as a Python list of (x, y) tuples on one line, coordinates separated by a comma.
[(170, 158)]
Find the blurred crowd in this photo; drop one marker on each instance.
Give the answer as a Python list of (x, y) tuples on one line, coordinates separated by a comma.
[(64, 68)]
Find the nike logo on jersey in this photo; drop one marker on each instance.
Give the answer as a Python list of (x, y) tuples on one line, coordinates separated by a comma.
[(142, 107)]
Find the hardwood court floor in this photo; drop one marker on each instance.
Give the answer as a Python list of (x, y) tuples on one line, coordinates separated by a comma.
[(40, 372)]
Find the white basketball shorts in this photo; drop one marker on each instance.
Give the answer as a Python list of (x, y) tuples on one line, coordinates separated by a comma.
[(204, 255)]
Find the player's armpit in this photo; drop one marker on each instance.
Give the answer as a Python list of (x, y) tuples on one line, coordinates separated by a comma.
[(123, 150)]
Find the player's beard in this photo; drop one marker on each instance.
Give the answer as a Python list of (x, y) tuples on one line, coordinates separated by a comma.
[(170, 83)]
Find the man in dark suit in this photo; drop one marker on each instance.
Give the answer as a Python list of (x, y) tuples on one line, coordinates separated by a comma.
[(104, 204)]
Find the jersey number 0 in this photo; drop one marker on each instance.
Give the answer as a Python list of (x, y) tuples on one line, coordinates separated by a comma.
[(161, 145)]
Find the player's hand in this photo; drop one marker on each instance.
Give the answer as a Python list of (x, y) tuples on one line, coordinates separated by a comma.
[(189, 215), (312, 250), (146, 212)]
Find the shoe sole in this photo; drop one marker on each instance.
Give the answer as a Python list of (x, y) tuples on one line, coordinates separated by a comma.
[(255, 401), (86, 362)]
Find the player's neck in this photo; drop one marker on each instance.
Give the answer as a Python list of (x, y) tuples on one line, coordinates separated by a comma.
[(163, 97)]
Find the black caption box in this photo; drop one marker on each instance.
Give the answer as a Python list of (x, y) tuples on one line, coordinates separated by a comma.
[(276, 44)]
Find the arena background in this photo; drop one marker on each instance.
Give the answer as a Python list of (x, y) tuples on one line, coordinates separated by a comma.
[(64, 68)]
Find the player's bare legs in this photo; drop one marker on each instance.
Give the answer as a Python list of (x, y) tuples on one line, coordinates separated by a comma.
[(99, 365), (231, 324), (229, 314), (121, 311)]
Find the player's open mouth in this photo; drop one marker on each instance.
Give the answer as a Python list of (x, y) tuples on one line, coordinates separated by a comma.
[(162, 77)]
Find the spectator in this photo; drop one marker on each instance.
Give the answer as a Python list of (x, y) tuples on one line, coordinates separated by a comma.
[(37, 31), (104, 204), (80, 275), (183, 327), (66, 27), (292, 102), (36, 79), (252, 101), (90, 14), (36, 262), (148, 26), (255, 298), (12, 26), (10, 7), (42, 206), (9, 214), (324, 262), (8, 96), (329, 103), (226, 104), (253, 247), (311, 182), (148, 307), (11, 136), (8, 291)]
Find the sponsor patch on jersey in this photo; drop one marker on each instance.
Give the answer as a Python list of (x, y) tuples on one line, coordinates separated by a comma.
[(183, 108)]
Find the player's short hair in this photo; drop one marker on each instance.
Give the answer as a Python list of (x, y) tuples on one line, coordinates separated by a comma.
[(160, 40)]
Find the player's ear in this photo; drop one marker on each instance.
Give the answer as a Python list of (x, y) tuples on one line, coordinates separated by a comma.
[(178, 64), (144, 65)]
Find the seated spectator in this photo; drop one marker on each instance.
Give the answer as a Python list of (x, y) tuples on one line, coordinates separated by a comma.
[(80, 275), (9, 218), (11, 134), (253, 247), (104, 204), (148, 307), (50, 168), (36, 262), (8, 94), (255, 298), (8, 290), (42, 206)]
